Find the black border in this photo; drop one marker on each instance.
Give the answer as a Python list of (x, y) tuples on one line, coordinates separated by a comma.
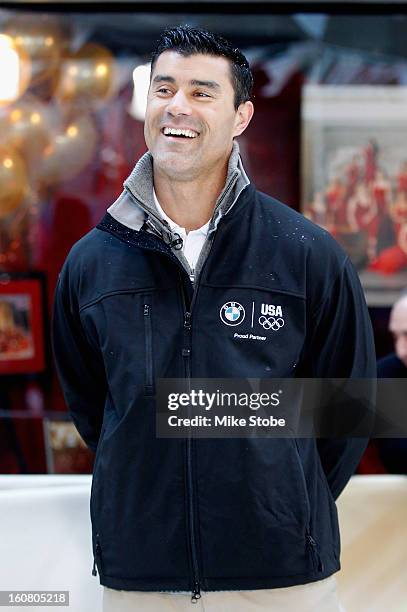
[(287, 7)]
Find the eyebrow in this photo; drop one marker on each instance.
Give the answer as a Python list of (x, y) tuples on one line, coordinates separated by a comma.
[(160, 78)]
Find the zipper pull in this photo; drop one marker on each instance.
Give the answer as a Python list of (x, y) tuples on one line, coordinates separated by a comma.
[(192, 276), (187, 320), (196, 594), (311, 540), (146, 310), (97, 554)]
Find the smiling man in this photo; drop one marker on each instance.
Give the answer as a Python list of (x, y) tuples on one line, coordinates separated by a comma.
[(192, 273), (189, 129)]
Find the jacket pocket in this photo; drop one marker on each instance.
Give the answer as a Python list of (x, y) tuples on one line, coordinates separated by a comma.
[(99, 447), (94, 484), (303, 482), (148, 346)]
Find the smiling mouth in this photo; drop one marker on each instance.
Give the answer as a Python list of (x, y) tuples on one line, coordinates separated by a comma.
[(179, 133)]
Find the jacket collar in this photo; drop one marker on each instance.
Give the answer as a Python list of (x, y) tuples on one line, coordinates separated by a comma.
[(136, 204)]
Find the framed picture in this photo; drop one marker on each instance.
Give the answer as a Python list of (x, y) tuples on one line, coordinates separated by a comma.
[(22, 345), (354, 178), (66, 452)]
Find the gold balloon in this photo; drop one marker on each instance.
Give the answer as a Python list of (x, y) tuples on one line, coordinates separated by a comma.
[(42, 39), (13, 181), (69, 152), (16, 70), (25, 128), (87, 76)]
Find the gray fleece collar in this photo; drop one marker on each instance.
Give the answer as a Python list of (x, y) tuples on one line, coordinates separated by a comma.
[(136, 202)]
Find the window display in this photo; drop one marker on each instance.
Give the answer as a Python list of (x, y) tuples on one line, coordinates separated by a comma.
[(327, 138), (354, 160)]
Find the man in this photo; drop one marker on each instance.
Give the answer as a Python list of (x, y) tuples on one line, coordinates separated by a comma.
[(393, 451), (189, 253), (395, 364)]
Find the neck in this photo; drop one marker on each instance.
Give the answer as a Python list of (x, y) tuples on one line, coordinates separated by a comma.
[(190, 203)]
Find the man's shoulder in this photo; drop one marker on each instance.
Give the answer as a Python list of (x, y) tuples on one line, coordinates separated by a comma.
[(284, 213), (88, 240), (90, 245), (296, 231), (390, 366), (87, 257)]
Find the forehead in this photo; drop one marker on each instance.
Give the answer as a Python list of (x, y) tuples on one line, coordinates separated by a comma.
[(198, 66)]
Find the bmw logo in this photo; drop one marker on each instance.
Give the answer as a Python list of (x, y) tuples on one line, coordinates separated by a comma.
[(232, 313)]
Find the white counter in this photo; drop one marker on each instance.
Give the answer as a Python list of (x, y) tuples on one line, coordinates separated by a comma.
[(45, 541)]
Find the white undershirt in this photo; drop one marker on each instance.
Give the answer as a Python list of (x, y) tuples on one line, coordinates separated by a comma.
[(192, 241)]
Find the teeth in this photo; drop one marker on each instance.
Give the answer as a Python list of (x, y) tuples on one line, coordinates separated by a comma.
[(175, 132)]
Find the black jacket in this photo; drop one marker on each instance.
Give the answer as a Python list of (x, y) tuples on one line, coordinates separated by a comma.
[(216, 514)]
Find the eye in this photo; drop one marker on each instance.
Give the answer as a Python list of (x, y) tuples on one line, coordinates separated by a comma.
[(163, 90), (202, 94)]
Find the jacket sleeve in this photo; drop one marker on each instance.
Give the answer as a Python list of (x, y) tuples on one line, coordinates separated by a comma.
[(342, 346), (79, 365)]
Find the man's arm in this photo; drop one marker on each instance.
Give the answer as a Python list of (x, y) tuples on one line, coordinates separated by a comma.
[(79, 365), (342, 346)]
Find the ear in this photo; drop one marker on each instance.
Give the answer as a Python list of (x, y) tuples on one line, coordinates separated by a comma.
[(243, 117)]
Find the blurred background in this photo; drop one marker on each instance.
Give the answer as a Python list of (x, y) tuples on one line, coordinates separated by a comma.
[(328, 138)]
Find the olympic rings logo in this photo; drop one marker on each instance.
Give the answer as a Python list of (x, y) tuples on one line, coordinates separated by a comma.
[(274, 323)]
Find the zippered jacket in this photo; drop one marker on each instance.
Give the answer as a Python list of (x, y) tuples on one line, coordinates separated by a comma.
[(210, 514)]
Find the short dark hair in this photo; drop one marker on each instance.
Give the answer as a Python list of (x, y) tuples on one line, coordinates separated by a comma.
[(187, 41)]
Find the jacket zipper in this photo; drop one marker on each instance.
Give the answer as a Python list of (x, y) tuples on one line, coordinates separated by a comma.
[(98, 556), (310, 540), (186, 354), (315, 552), (148, 335)]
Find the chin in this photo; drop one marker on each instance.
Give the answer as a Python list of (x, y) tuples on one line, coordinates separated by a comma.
[(176, 166)]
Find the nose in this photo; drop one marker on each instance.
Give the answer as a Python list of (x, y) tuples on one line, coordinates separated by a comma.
[(178, 104)]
